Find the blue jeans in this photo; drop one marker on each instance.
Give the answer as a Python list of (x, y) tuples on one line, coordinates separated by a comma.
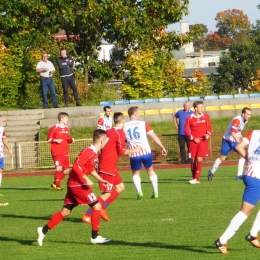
[(45, 84)]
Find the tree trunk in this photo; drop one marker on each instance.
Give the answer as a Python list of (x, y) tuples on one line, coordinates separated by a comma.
[(86, 79)]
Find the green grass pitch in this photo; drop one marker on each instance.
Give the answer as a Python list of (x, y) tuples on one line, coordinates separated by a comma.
[(182, 224)]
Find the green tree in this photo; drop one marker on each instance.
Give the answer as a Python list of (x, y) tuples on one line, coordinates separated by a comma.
[(237, 68), (87, 23)]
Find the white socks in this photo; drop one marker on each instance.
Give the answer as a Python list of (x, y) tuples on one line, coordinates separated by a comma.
[(154, 181), (216, 165), (256, 225), (240, 169), (234, 225), (137, 183)]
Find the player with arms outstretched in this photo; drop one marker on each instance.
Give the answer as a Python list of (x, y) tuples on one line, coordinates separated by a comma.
[(136, 135), (198, 129), (79, 190)]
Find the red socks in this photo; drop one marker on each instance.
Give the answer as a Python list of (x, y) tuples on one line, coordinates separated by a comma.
[(58, 177), (95, 219), (198, 170), (55, 220)]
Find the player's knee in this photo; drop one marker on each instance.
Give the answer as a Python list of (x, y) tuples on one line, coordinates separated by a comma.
[(66, 210), (97, 205), (120, 188), (66, 171)]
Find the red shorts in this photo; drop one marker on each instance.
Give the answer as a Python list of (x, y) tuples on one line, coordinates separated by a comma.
[(61, 160), (80, 195), (198, 150), (112, 179)]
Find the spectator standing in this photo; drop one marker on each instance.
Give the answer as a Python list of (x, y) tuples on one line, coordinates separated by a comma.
[(198, 129), (65, 64), (46, 70), (105, 122), (181, 116)]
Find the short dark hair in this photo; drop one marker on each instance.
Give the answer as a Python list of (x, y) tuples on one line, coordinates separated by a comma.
[(63, 49), (105, 108), (97, 134), (132, 110), (61, 115), (118, 116), (196, 103), (245, 109)]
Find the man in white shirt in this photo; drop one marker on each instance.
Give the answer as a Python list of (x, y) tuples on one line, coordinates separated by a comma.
[(46, 70)]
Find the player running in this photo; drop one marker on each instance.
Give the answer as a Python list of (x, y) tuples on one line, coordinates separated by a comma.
[(229, 142)]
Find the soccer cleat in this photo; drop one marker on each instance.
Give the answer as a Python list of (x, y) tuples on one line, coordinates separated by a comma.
[(253, 240), (86, 218), (221, 247), (240, 177), (40, 236), (210, 175), (194, 181), (140, 195), (155, 196), (59, 188), (103, 215), (99, 240), (53, 185), (2, 204)]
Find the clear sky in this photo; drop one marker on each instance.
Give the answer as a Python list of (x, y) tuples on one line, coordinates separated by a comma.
[(204, 11)]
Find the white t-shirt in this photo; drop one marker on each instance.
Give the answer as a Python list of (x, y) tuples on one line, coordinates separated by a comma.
[(2, 136), (136, 135), (253, 163), (42, 64)]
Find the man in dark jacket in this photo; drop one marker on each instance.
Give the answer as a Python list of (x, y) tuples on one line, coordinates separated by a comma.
[(65, 64)]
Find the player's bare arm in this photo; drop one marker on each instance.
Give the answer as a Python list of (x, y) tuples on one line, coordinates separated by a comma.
[(158, 142), (5, 142), (234, 135), (88, 181), (57, 141), (135, 150)]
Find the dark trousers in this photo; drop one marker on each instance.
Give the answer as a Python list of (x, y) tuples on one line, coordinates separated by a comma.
[(66, 82), (182, 139)]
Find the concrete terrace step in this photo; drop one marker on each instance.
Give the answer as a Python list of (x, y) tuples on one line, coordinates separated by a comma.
[(19, 118), (21, 139), (24, 122), (27, 128)]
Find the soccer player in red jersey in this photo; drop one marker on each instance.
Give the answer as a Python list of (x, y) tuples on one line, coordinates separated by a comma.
[(59, 138), (198, 129), (114, 147), (79, 190)]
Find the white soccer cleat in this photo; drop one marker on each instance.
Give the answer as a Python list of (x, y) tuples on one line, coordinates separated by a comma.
[(99, 240), (194, 181), (40, 236)]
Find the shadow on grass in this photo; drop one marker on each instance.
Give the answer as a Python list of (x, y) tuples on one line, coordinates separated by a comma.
[(26, 188), (24, 242)]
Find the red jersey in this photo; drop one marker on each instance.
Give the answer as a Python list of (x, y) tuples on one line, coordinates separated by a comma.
[(84, 164), (197, 126), (59, 132), (114, 147)]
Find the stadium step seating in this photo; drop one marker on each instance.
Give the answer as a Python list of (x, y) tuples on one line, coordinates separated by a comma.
[(181, 99), (165, 99), (167, 111), (227, 107), (141, 112), (136, 101), (226, 97), (241, 106), (241, 96), (151, 100), (255, 106), (151, 112), (254, 95), (212, 108), (106, 103), (210, 97), (198, 98), (121, 102)]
